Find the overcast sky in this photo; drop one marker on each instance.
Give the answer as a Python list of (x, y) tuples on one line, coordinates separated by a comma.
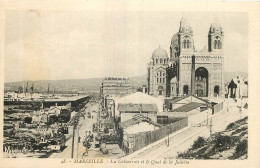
[(43, 45)]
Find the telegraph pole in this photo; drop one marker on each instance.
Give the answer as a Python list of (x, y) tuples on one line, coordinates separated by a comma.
[(207, 118), (78, 142), (240, 112), (73, 139)]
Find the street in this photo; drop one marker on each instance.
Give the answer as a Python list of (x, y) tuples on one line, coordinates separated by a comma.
[(85, 125)]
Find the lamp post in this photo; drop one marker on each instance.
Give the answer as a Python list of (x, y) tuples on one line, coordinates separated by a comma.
[(210, 127), (227, 107), (240, 111)]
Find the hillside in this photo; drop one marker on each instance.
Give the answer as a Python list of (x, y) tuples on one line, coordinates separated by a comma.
[(91, 84), (229, 144)]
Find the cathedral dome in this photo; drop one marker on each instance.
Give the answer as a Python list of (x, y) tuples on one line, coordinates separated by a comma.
[(185, 26), (159, 53), (175, 39)]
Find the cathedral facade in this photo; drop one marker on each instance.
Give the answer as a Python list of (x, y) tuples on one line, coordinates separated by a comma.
[(170, 76)]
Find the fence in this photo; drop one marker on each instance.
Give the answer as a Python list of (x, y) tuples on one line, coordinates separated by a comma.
[(217, 108), (197, 118), (143, 140)]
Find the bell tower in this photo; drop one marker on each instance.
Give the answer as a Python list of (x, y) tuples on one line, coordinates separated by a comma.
[(186, 41), (215, 37)]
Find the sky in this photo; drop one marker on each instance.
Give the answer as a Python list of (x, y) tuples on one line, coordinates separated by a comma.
[(56, 45)]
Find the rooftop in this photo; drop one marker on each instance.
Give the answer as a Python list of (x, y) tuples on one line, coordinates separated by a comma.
[(188, 107), (138, 118)]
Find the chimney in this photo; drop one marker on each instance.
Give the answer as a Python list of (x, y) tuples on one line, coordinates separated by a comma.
[(193, 75)]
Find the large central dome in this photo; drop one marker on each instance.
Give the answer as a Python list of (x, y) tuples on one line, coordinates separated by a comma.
[(160, 53)]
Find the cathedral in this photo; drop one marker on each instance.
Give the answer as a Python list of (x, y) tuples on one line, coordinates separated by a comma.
[(171, 76)]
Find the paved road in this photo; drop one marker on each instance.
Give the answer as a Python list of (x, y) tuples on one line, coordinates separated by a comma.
[(185, 139)]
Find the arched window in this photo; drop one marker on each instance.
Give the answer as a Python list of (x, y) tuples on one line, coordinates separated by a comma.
[(164, 61), (175, 51), (220, 45), (216, 90), (160, 80), (184, 43), (157, 79), (188, 44), (156, 60), (163, 80), (160, 60), (160, 73), (215, 44)]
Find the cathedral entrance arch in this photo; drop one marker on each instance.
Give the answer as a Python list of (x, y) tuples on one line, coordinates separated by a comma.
[(216, 90), (185, 89), (201, 82)]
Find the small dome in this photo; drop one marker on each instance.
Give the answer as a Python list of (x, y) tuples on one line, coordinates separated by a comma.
[(159, 53), (175, 39), (174, 80)]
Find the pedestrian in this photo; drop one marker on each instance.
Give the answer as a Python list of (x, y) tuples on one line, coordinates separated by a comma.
[(86, 142)]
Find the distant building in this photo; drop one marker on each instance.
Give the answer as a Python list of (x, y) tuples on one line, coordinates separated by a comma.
[(130, 105), (115, 87)]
